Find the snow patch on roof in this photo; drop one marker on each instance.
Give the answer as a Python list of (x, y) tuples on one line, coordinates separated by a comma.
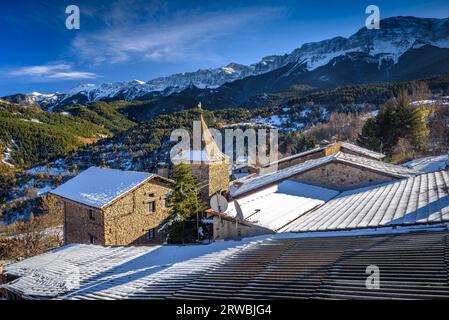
[(274, 207), (96, 272), (429, 164), (97, 187), (417, 200)]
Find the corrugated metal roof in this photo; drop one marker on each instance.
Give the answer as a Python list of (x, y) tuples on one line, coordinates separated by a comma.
[(411, 265), (417, 200), (261, 181)]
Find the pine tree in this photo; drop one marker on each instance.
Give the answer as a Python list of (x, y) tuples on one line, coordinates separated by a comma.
[(185, 205), (397, 119)]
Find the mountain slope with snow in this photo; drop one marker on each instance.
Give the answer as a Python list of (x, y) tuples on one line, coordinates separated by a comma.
[(382, 48)]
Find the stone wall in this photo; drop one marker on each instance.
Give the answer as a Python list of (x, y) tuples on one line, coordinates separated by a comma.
[(78, 226), (201, 172), (340, 176), (128, 220), (226, 230), (214, 175), (327, 151), (294, 161), (218, 178)]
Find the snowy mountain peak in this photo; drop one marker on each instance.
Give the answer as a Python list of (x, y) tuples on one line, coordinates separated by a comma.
[(396, 36)]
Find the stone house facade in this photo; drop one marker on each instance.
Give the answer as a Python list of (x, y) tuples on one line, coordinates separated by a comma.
[(133, 217), (324, 151), (225, 228), (341, 176)]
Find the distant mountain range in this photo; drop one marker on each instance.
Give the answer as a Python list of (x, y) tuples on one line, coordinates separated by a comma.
[(404, 48)]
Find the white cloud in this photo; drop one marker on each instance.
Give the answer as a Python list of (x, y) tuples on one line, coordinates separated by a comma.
[(52, 71), (180, 37), (39, 70), (73, 75)]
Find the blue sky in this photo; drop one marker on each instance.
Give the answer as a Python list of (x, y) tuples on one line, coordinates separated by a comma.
[(138, 39)]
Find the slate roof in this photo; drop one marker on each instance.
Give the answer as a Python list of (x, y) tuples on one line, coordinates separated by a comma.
[(361, 151), (295, 156), (342, 146), (417, 200), (374, 165)]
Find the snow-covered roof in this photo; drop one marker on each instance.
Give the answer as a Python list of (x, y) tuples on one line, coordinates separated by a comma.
[(100, 272), (268, 266), (374, 165), (341, 147), (429, 164), (418, 200), (276, 206), (361, 151), (98, 187), (264, 180)]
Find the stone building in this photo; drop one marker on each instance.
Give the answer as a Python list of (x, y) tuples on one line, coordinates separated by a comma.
[(323, 151), (114, 207), (208, 164), (270, 202)]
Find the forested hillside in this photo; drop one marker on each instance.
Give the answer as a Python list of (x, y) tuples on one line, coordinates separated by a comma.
[(31, 135), (102, 114)]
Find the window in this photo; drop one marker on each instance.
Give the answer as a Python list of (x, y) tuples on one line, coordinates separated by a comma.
[(151, 195), (152, 206), (91, 214), (167, 199), (151, 234), (91, 239)]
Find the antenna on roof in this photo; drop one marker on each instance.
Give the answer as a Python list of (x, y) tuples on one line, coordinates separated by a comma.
[(238, 217)]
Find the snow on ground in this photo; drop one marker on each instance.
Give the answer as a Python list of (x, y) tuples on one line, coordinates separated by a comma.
[(33, 120), (273, 121), (429, 164), (277, 122), (444, 101), (7, 158), (52, 171)]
